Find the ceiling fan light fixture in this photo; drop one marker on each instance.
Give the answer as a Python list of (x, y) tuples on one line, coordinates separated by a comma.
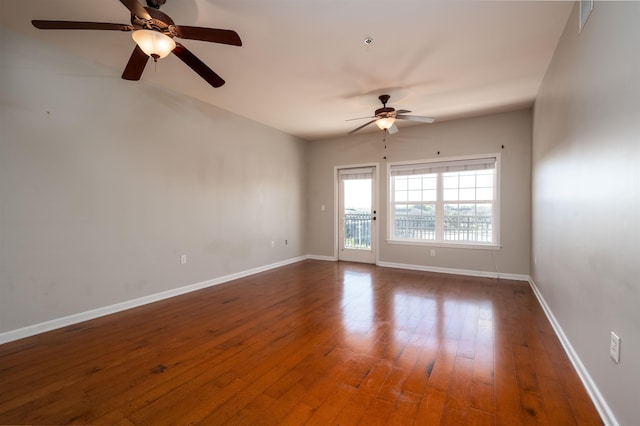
[(154, 43), (385, 123)]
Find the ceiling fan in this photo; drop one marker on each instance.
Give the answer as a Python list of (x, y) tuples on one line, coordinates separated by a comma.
[(385, 117), (153, 32)]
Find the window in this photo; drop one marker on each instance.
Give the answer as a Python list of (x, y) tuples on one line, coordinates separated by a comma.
[(450, 201)]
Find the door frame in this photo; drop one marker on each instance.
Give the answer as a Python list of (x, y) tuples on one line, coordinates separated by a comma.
[(375, 229)]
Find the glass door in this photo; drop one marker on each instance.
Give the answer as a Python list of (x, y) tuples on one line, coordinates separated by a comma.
[(357, 217)]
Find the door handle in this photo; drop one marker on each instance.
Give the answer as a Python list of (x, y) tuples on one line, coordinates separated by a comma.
[(374, 218)]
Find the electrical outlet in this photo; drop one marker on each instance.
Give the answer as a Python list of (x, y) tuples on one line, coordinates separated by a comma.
[(183, 259), (433, 252), (286, 242), (273, 244), (614, 347)]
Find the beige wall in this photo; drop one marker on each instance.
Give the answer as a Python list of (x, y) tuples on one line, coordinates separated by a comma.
[(105, 183), (586, 196), (454, 138)]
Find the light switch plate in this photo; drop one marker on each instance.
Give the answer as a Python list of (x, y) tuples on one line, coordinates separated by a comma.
[(614, 347)]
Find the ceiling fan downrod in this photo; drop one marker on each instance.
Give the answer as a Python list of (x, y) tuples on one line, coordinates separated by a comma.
[(156, 3)]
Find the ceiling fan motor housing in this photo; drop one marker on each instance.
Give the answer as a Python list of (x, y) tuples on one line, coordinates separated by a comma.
[(384, 111), (158, 22)]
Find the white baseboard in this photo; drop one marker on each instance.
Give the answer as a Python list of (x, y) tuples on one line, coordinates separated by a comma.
[(325, 258), (10, 336), (594, 393), (484, 274)]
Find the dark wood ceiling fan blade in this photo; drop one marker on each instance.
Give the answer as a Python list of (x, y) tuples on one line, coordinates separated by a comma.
[(75, 25), (416, 118), (198, 66), (364, 125), (136, 64), (136, 8), (212, 35)]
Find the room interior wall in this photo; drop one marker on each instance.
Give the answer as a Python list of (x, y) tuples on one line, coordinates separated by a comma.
[(106, 183), (586, 197), (479, 135)]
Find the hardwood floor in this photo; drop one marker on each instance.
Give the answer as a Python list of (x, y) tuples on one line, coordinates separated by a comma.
[(312, 343)]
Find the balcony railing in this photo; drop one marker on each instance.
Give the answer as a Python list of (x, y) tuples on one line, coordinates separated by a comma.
[(468, 228), (415, 227), (456, 228), (357, 231)]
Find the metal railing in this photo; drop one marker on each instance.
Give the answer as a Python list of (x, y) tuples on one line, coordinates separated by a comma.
[(415, 227), (456, 228), (468, 228), (357, 231)]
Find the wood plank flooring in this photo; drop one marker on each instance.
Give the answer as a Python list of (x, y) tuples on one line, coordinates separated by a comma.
[(313, 343)]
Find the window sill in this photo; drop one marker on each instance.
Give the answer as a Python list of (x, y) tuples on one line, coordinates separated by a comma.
[(446, 245)]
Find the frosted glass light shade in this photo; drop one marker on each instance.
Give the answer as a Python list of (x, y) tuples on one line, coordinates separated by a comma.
[(154, 43), (385, 123)]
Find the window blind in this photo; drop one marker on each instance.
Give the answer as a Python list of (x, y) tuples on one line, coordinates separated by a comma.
[(443, 166), (356, 173)]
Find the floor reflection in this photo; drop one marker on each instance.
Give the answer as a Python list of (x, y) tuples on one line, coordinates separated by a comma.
[(395, 320), (357, 309), (410, 312)]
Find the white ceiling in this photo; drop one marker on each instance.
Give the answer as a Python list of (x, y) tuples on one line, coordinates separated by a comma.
[(304, 67)]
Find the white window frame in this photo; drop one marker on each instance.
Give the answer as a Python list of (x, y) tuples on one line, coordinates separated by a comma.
[(439, 203)]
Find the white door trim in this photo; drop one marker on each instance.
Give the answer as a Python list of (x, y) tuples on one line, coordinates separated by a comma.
[(374, 201)]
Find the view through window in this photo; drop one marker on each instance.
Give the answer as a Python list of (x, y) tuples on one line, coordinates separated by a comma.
[(449, 201)]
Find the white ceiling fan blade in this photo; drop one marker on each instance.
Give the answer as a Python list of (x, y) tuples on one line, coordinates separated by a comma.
[(393, 129), (402, 111), (360, 118), (416, 118), (358, 128)]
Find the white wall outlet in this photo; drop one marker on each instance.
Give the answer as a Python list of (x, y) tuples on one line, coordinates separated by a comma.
[(614, 347), (433, 252), (183, 259), (273, 244)]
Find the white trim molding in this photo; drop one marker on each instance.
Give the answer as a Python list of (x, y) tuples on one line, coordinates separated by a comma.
[(484, 274), (31, 330), (594, 393), (324, 258)]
